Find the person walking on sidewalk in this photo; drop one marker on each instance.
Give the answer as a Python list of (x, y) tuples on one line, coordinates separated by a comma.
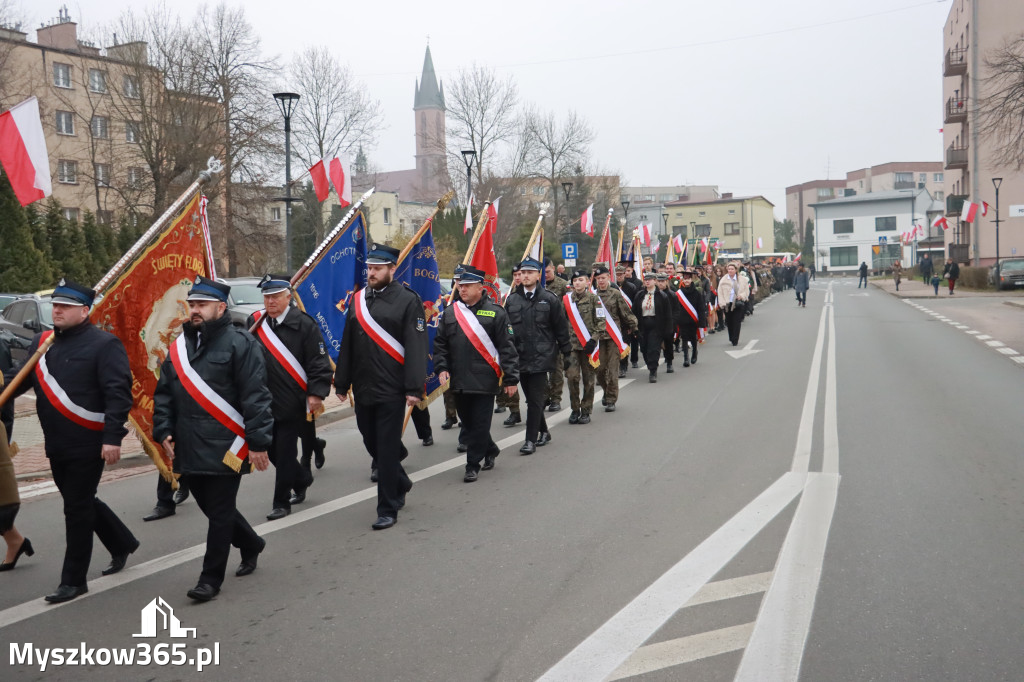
[(897, 274), (952, 273), (83, 386), (863, 271), (927, 268)]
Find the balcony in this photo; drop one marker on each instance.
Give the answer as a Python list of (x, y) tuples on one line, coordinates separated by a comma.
[(955, 204), (904, 184), (956, 110), (956, 157), (955, 63)]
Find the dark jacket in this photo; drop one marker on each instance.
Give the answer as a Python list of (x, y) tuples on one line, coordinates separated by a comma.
[(231, 362), (541, 330), (662, 311), (300, 334), (455, 354), (801, 281), (91, 365), (863, 270), (629, 288), (927, 267), (365, 367), (951, 270), (696, 299)]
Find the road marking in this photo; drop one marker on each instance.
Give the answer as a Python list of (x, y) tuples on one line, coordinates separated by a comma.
[(983, 337), (36, 489), (802, 452), (600, 654), (1007, 351), (973, 332), (1018, 359), (684, 650), (732, 588), (994, 344), (961, 326), (830, 451), (776, 646), (745, 351)]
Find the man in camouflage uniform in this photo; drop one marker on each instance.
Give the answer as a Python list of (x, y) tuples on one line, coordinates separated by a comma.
[(559, 287), (579, 368), (616, 307)]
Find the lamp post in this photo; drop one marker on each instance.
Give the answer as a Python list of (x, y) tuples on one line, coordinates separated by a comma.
[(566, 187), (996, 182), (625, 213), (468, 157), (286, 102)]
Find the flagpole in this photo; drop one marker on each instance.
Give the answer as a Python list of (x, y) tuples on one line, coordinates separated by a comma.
[(212, 166), (606, 234), (476, 233), (442, 203), (533, 237)]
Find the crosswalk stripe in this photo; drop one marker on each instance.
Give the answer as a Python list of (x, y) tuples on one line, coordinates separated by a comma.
[(730, 589), (683, 650)]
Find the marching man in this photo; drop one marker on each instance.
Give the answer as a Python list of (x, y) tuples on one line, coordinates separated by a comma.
[(620, 323), (581, 306)]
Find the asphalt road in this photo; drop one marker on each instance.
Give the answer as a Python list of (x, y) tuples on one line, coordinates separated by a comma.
[(844, 504)]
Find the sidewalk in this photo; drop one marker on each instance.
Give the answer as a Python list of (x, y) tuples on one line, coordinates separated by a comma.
[(31, 461), (917, 289)]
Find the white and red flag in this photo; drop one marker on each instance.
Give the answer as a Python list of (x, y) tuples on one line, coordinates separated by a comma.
[(468, 225), (644, 233), (655, 245), (318, 174), (340, 179), (941, 222), (969, 212), (587, 221), (677, 243), (23, 152), (760, 243), (797, 257)]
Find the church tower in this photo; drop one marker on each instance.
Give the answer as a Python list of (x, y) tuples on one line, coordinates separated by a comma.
[(429, 109)]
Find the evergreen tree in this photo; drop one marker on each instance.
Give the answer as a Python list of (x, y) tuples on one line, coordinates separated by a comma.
[(67, 245), (808, 250), (23, 265), (98, 257), (127, 235)]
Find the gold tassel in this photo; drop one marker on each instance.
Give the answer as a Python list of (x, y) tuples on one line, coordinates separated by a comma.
[(233, 461), (312, 416), (14, 449)]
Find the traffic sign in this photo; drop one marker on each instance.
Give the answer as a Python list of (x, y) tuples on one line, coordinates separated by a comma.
[(570, 250), (1017, 211), (883, 240)]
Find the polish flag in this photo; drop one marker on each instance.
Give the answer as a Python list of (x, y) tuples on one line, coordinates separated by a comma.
[(643, 231), (23, 152), (587, 221), (970, 212), (704, 244), (492, 216), (984, 209), (655, 245), (941, 222), (468, 225), (797, 257), (318, 174), (339, 178), (760, 243), (677, 243)]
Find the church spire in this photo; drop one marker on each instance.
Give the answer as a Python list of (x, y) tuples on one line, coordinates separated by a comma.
[(429, 95)]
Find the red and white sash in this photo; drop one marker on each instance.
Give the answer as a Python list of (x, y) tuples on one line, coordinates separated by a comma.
[(388, 343), (208, 399), (474, 331), (273, 343), (613, 329), (688, 307), (578, 326), (57, 396)]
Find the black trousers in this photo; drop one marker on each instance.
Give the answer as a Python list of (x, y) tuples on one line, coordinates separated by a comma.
[(688, 334), (801, 297), (733, 320), (216, 496), (651, 341), (475, 410), (535, 386), (283, 453), (85, 514), (634, 349), (421, 420), (164, 493), (668, 345), (381, 428), (307, 436)]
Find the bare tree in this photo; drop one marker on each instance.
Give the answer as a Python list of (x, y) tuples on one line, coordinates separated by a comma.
[(558, 150), (481, 114), (1001, 111), (11, 19)]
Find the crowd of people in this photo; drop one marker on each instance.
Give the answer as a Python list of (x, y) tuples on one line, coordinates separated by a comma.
[(229, 401)]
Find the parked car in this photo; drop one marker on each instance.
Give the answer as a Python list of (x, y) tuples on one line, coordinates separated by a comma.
[(7, 298), (22, 319), (245, 298), (1011, 274)]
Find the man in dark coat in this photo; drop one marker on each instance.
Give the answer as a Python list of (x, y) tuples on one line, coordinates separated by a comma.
[(668, 343), (927, 268), (630, 286), (475, 350), (383, 358), (212, 415), (692, 317), (299, 378), (541, 334), (654, 316), (83, 390), (863, 271), (556, 381)]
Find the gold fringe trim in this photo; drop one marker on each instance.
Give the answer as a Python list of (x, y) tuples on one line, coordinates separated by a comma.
[(234, 461), (14, 450)]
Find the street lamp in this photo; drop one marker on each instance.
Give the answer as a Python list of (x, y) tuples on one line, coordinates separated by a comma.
[(996, 182), (664, 227), (625, 213), (468, 157), (566, 187), (286, 102)]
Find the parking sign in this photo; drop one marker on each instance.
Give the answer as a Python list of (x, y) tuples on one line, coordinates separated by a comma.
[(569, 251)]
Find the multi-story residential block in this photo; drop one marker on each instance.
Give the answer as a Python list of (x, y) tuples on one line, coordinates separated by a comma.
[(736, 222), (800, 197)]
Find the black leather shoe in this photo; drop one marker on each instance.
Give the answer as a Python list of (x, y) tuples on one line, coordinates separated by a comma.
[(180, 495), (488, 462), (669, 370), (693, 361), (686, 363), (374, 476), (584, 418), (248, 564), (609, 408), (470, 476), (622, 373), (513, 419), (554, 407), (306, 462), (384, 522), (447, 424), (499, 409), (26, 548), (278, 513), (401, 496), (574, 417), (428, 441), (298, 497), (635, 365), (66, 593), (462, 447), (118, 561), (653, 379), (528, 448), (158, 513), (543, 439), (318, 453), (203, 592)]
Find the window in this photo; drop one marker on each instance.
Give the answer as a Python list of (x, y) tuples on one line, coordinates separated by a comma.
[(275, 214), (67, 172), (702, 230), (387, 216), (665, 197), (101, 171), (840, 256), (940, 195), (885, 224), (647, 197), (522, 191), (825, 193), (907, 178), (131, 86), (104, 217), (732, 211), (65, 123), (71, 214), (842, 226), (14, 313), (97, 81), (937, 177), (62, 75), (732, 229), (135, 177), (702, 214), (100, 127), (538, 190), (860, 184), (922, 177), (131, 131)]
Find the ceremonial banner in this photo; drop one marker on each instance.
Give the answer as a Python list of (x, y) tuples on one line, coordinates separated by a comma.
[(483, 256), (325, 289), (145, 307), (419, 270)]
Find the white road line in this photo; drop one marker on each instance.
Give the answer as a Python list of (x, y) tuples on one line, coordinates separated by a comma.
[(776, 646), (804, 434), (830, 451), (678, 651), (983, 337), (994, 344), (961, 326), (732, 588), (1007, 351), (35, 489), (973, 332), (1018, 359), (610, 645)]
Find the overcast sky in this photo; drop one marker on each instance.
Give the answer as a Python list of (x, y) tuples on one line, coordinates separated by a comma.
[(748, 95)]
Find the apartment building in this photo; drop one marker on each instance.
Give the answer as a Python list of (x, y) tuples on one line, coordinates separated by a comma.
[(736, 222), (896, 175), (800, 197), (973, 31)]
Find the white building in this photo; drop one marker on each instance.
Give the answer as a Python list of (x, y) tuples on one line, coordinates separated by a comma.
[(867, 228)]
